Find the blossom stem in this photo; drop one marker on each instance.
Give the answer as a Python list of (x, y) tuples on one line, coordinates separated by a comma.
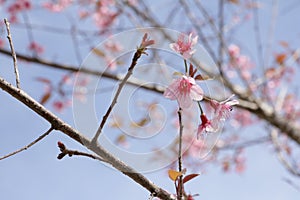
[(180, 192), (201, 110), (186, 67)]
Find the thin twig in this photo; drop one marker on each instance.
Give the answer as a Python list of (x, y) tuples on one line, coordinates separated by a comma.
[(290, 166), (180, 153), (13, 53), (291, 183), (259, 46), (65, 151), (280, 156), (246, 103), (135, 58), (29, 145), (221, 32), (247, 94), (225, 80), (245, 144), (271, 31), (194, 20)]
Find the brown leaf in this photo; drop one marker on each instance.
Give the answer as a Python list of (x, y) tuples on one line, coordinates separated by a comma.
[(234, 1), (192, 71), (121, 139), (199, 77), (45, 98), (189, 177), (98, 52), (141, 122), (43, 80), (280, 58)]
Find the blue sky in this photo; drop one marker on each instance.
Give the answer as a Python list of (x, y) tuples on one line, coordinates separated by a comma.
[(37, 174)]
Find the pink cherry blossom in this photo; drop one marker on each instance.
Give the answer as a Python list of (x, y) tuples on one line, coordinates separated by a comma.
[(104, 19), (242, 118), (206, 126), (17, 7), (234, 51), (222, 109), (240, 164), (58, 6), (113, 46), (36, 48), (184, 90), (241, 62), (59, 105), (185, 48)]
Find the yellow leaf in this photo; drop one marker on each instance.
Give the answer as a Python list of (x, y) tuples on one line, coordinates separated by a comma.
[(174, 174)]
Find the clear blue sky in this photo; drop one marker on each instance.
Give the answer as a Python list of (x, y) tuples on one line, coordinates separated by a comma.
[(37, 174)]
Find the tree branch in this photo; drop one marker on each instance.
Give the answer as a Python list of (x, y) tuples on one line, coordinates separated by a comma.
[(13, 53), (257, 108), (135, 58), (180, 192), (71, 68), (65, 151), (29, 145), (281, 158), (65, 128)]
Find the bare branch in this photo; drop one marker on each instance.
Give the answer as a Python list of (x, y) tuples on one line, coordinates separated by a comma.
[(65, 128), (65, 151), (29, 145), (259, 46), (249, 143), (262, 110), (141, 50), (291, 183), (13, 53), (180, 153), (71, 68), (281, 158), (221, 31), (202, 37), (255, 106)]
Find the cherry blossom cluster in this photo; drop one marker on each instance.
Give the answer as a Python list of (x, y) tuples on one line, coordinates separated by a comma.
[(17, 7), (186, 91), (105, 13), (240, 62), (57, 6), (36, 48)]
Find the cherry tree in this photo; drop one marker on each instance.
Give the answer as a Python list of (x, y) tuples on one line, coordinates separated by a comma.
[(172, 86)]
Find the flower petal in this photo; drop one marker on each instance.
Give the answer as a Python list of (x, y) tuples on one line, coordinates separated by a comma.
[(184, 101), (196, 93)]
